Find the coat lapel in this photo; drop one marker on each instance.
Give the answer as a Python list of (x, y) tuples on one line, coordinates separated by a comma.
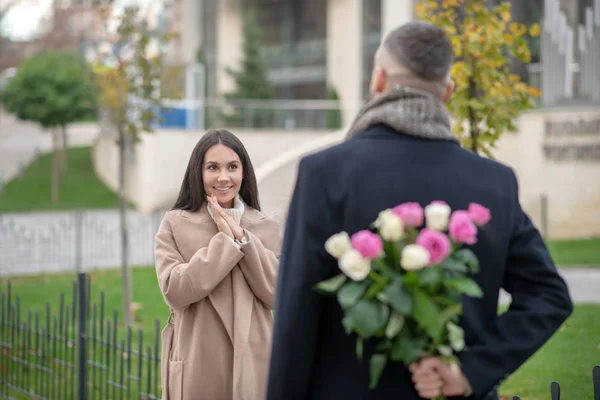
[(220, 298)]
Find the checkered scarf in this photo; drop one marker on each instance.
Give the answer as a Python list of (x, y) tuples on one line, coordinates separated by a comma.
[(410, 111)]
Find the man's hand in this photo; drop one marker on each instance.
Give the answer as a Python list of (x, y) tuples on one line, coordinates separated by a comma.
[(433, 378)]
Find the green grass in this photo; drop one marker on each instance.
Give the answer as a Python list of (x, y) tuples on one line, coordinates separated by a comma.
[(575, 252), (79, 187), (568, 357), (146, 294)]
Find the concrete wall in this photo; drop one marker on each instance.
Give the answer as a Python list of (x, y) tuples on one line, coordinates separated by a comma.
[(571, 184), (565, 167)]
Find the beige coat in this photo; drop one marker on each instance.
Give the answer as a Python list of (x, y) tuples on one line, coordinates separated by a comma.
[(221, 298)]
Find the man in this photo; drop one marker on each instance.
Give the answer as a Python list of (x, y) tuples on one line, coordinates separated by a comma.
[(399, 149)]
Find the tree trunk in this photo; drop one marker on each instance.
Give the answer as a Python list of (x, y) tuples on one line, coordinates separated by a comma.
[(473, 126), (126, 271), (65, 146), (56, 164)]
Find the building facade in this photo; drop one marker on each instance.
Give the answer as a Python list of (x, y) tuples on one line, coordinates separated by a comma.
[(310, 46)]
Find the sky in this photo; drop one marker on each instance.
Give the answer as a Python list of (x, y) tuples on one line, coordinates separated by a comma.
[(23, 21)]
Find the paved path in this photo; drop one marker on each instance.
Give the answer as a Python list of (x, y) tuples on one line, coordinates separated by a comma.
[(19, 141), (583, 284)]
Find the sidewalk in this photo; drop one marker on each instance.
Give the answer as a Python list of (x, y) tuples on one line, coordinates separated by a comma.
[(583, 284), (20, 140)]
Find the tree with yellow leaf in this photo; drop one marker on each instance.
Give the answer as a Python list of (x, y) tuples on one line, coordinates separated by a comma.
[(488, 97), (130, 95)]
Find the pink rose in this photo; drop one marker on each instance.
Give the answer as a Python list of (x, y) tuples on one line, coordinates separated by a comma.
[(368, 244), (461, 228), (410, 213), (479, 214), (436, 243)]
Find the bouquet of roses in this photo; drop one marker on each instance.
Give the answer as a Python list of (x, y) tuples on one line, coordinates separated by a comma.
[(402, 283)]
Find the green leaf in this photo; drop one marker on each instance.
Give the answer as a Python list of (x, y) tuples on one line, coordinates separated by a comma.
[(331, 285), (381, 266), (399, 247), (411, 279), (369, 316), (382, 297), (392, 255), (383, 346), (349, 294), (407, 348), (376, 367), (446, 351), (429, 276), (400, 299), (452, 311), (395, 325), (466, 256), (456, 336), (348, 324), (427, 314), (450, 264), (359, 349), (465, 285)]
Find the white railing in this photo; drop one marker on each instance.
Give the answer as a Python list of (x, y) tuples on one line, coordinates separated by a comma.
[(251, 113), (563, 76)]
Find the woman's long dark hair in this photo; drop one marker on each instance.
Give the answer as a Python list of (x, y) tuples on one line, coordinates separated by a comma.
[(192, 196)]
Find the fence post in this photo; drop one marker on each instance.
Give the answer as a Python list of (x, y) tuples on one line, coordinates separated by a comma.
[(79, 241), (596, 380), (544, 215), (555, 390), (82, 336)]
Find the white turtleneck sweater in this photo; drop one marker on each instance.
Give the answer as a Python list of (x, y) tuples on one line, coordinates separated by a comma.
[(236, 213)]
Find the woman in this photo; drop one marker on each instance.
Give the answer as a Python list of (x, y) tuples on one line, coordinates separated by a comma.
[(216, 260)]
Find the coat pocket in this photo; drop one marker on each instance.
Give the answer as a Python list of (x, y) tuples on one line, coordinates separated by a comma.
[(175, 384)]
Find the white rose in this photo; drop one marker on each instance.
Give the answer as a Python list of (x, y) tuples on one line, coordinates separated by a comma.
[(436, 216), (338, 244), (414, 257), (390, 226), (354, 265)]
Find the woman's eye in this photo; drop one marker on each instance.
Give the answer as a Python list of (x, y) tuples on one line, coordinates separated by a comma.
[(233, 167), (212, 167)]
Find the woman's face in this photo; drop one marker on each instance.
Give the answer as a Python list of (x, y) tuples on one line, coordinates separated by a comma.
[(222, 174)]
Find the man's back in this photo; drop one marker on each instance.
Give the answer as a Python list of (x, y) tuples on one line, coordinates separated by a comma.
[(350, 184)]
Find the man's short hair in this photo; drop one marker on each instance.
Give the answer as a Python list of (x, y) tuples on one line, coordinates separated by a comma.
[(421, 47)]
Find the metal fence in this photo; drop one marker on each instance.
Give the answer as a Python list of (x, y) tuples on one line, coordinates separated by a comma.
[(59, 241), (78, 354)]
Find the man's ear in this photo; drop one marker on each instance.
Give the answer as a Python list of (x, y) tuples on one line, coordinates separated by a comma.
[(379, 80), (449, 91)]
